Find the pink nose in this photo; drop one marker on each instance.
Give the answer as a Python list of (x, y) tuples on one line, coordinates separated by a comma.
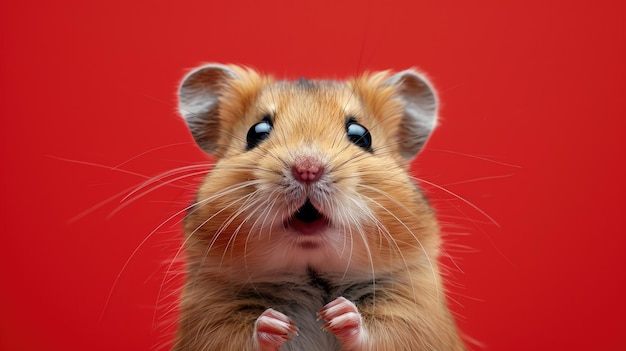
[(307, 170)]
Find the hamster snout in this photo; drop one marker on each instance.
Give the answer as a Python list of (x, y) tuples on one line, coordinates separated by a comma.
[(307, 169), (309, 174)]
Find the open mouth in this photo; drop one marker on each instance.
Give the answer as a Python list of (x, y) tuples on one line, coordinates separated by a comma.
[(308, 213), (308, 220)]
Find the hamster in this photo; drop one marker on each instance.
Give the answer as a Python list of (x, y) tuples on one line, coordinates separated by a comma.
[(309, 232)]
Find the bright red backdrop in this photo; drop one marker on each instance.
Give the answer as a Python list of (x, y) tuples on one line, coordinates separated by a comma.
[(533, 127)]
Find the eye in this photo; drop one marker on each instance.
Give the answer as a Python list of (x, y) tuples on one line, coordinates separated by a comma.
[(259, 132), (359, 135)]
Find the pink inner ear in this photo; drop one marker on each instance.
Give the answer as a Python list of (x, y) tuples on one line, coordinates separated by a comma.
[(200, 89), (198, 103), (419, 101)]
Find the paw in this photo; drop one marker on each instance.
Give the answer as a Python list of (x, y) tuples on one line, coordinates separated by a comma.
[(344, 321), (272, 329)]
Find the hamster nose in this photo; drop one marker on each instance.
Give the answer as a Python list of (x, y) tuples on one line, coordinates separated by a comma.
[(307, 170)]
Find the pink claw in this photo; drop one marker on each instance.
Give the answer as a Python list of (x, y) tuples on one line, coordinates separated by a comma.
[(272, 329), (344, 321)]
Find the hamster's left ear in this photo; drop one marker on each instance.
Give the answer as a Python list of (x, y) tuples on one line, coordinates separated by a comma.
[(419, 101)]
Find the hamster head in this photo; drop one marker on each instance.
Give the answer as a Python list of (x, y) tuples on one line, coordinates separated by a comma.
[(309, 174)]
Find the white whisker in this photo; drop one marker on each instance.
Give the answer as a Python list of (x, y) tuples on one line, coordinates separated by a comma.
[(126, 201), (460, 198), (409, 230), (480, 179), (476, 157)]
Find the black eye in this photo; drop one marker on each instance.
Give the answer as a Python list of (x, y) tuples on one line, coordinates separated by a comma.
[(259, 132), (359, 135)]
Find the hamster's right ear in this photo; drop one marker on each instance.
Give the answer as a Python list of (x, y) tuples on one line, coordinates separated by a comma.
[(198, 102), (419, 102)]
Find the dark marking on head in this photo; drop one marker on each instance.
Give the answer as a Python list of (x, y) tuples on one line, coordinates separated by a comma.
[(304, 83)]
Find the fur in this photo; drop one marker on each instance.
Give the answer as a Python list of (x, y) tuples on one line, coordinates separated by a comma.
[(378, 250)]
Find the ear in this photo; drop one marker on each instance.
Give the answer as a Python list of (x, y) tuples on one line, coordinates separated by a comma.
[(198, 102), (419, 103)]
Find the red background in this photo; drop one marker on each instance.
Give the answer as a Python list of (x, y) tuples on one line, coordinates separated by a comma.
[(532, 133)]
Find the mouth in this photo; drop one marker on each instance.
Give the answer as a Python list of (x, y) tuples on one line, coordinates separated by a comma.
[(308, 220)]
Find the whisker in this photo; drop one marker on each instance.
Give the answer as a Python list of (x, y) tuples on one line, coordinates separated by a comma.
[(93, 164), (132, 255), (241, 210), (109, 199), (194, 207), (460, 198), (150, 151), (430, 263), (126, 201), (134, 195), (215, 235), (166, 174), (481, 179), (203, 167), (476, 157), (399, 203), (267, 211)]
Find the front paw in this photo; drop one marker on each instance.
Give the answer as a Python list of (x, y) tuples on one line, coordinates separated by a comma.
[(344, 321), (272, 329)]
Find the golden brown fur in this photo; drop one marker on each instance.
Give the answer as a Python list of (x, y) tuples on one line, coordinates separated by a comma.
[(380, 250)]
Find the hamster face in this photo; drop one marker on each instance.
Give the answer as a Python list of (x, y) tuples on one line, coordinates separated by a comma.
[(309, 233), (309, 174)]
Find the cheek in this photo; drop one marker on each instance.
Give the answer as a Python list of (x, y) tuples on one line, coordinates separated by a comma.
[(275, 184), (224, 190), (221, 187)]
